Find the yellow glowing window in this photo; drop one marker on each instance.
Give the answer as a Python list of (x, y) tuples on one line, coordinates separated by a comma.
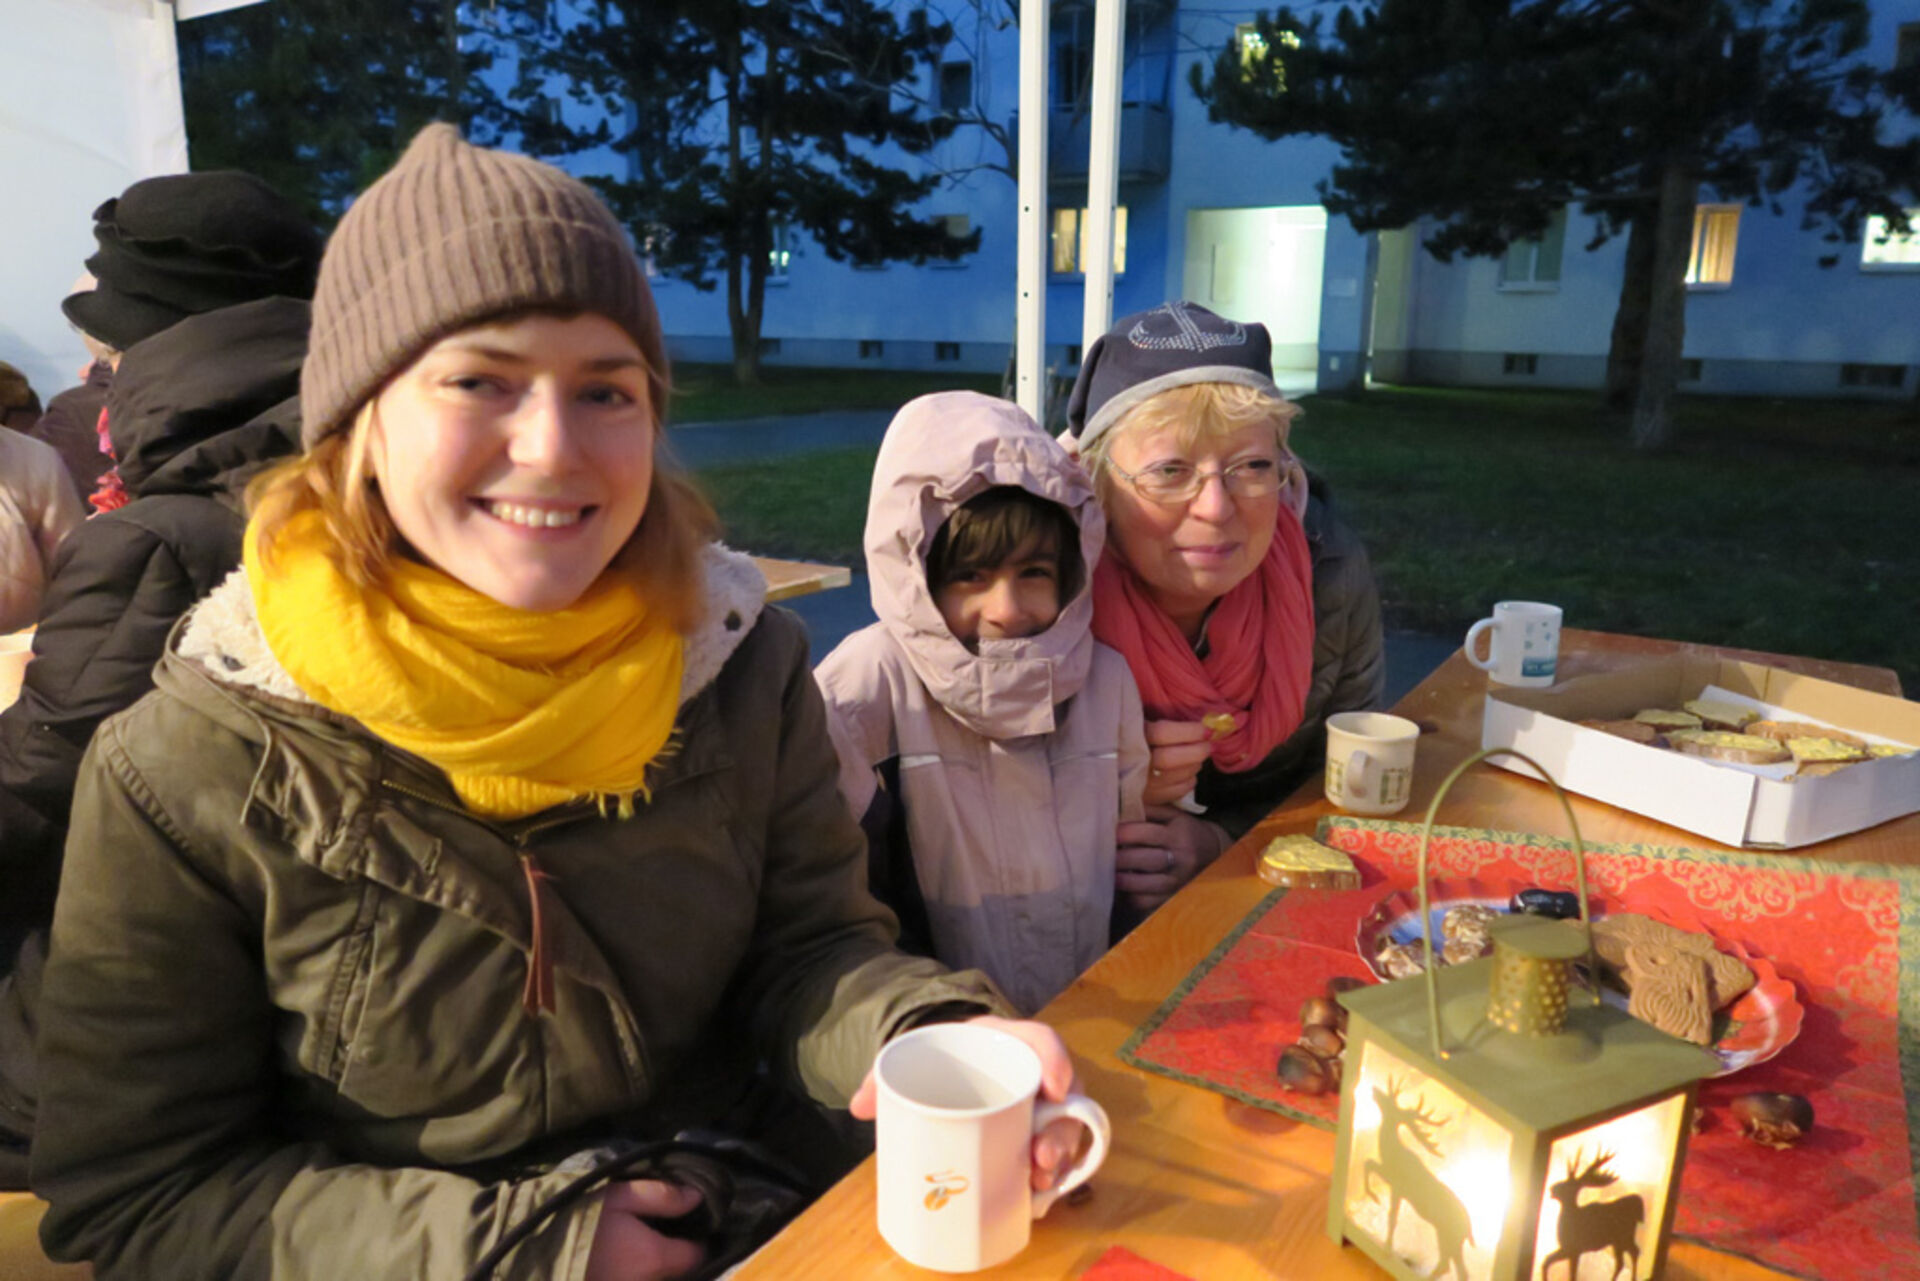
[(1068, 241), (1716, 231)]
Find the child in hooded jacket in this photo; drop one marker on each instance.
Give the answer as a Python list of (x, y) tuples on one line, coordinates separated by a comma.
[(989, 744)]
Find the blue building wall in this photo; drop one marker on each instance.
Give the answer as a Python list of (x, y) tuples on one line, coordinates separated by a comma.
[(1784, 325)]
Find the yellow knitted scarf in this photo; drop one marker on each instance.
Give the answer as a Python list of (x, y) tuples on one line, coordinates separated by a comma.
[(523, 710)]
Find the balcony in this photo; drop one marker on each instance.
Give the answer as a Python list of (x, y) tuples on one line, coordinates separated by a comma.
[(1146, 143)]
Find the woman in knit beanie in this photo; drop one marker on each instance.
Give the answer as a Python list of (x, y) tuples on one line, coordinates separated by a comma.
[(483, 830)]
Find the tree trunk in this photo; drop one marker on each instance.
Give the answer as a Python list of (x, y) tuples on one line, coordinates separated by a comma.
[(1666, 329), (1628, 346), (456, 67)]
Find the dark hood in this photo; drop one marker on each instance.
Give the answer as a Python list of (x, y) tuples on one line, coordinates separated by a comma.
[(200, 407)]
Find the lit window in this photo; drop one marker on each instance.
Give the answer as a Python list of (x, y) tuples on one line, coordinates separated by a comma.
[(1885, 250), (780, 256), (1068, 241), (1253, 46), (956, 86), (1716, 230), (1535, 263)]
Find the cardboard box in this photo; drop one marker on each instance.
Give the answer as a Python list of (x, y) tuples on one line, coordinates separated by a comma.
[(1725, 803)]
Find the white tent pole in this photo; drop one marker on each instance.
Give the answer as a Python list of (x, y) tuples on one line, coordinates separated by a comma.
[(1030, 327), (1103, 178)]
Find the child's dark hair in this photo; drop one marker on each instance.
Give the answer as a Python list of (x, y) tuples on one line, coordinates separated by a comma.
[(994, 524)]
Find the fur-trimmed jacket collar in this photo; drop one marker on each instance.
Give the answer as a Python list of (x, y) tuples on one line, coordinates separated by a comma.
[(222, 634)]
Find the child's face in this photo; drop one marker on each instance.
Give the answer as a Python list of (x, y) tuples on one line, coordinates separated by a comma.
[(1018, 597)]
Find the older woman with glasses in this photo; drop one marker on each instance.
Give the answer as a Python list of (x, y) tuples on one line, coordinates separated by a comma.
[(1246, 610)]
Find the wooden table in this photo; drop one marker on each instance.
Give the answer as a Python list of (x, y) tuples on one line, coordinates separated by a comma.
[(789, 578), (1220, 1190)]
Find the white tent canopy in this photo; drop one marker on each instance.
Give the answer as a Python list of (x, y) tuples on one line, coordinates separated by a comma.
[(89, 104)]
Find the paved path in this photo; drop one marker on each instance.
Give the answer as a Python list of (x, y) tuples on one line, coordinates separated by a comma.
[(830, 616)]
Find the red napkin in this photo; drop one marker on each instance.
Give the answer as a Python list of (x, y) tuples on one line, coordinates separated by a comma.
[(1122, 1264)]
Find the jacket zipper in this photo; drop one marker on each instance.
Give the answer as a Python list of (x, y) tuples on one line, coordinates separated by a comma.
[(537, 997)]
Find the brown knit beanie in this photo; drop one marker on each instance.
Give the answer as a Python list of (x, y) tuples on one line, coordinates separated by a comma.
[(450, 236)]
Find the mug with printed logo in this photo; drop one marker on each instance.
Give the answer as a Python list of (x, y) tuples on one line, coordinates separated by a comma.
[(958, 1111), (1523, 643)]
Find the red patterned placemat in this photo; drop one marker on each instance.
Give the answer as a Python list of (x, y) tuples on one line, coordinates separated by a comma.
[(1839, 1207), (1122, 1264)]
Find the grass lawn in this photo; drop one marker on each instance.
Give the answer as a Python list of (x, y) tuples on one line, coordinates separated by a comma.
[(1780, 525), (707, 393)]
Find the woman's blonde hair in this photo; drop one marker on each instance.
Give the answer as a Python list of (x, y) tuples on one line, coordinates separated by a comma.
[(1193, 413), (335, 478)]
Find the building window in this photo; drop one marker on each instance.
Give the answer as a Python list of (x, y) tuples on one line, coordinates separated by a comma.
[(1887, 377), (1520, 363), (1072, 38), (1906, 49), (780, 256), (1716, 230), (946, 351), (1252, 47), (1068, 241), (1885, 250), (1534, 263), (872, 348), (956, 86)]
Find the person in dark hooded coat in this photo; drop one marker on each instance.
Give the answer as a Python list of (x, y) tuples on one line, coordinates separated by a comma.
[(204, 282)]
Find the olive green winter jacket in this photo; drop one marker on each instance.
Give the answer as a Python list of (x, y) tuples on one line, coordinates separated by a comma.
[(282, 1032)]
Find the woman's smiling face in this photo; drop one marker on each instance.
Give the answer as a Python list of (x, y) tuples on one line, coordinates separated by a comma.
[(1190, 553), (517, 455)]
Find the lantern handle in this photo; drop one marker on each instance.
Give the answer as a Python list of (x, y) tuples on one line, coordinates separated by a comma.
[(1426, 908)]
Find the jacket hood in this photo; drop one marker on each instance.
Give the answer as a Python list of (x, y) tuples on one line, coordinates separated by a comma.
[(940, 451), (201, 406)]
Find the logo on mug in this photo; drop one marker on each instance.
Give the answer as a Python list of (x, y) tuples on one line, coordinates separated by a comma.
[(946, 1186)]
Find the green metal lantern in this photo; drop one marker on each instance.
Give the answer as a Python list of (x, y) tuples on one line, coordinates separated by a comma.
[(1495, 1128)]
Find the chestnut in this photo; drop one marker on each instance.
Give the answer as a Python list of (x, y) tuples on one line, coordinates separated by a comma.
[(1304, 1071), (1324, 1041), (1344, 983), (1323, 1011), (1775, 1120)]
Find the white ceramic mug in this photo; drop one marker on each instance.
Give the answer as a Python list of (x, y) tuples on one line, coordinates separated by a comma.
[(1370, 761), (1524, 645), (958, 1112)]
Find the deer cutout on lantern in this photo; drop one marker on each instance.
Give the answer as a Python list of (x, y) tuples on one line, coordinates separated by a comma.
[(1410, 1182), (1597, 1225)]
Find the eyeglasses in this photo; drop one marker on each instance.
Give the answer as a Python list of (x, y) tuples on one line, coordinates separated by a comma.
[(1179, 482)]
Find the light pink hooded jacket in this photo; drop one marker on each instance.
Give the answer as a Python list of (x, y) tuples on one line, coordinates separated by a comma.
[(1015, 763)]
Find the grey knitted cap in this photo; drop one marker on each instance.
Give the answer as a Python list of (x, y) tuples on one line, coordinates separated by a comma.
[(453, 235), (1174, 345)]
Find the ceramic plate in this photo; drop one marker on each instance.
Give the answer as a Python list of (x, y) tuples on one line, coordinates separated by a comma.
[(1763, 1022)]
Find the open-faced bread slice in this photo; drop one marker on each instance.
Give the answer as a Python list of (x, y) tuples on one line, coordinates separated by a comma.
[(1719, 745), (1787, 730), (1665, 718), (1826, 749), (1634, 731), (1715, 714), (1305, 864)]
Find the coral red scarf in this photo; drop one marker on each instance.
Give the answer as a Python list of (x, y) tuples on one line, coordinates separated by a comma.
[(1259, 648)]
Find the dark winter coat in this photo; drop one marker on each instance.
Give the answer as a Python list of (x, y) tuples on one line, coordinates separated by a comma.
[(282, 1032), (194, 413), (72, 426)]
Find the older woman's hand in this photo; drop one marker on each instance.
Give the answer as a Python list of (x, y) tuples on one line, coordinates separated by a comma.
[(1158, 856), (1177, 750), (1054, 1147)]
